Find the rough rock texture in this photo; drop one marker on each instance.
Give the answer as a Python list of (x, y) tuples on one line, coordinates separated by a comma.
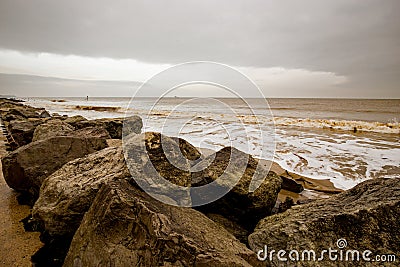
[(147, 160), (291, 185), (25, 168), (68, 193), (126, 227), (238, 205), (98, 132), (74, 120), (22, 130), (55, 127), (114, 126), (367, 216)]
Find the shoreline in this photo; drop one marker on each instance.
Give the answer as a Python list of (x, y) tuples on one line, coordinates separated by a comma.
[(16, 245), (90, 163)]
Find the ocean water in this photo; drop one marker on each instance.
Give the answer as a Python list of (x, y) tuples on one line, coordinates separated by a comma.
[(344, 140)]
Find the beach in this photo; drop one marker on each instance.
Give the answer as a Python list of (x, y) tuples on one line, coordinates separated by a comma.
[(16, 245), (68, 171)]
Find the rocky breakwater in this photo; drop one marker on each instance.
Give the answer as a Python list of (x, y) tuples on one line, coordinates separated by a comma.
[(366, 217)]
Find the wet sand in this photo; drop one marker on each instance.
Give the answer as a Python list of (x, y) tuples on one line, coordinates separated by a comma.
[(16, 245)]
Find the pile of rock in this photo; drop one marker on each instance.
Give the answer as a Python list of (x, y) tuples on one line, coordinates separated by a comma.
[(91, 211)]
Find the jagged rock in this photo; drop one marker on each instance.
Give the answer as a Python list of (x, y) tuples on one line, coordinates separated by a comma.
[(25, 168), (291, 185), (126, 227), (187, 149), (51, 128), (98, 132), (44, 114), (114, 126), (366, 216), (74, 120), (156, 171), (232, 227), (22, 130), (67, 194), (239, 205)]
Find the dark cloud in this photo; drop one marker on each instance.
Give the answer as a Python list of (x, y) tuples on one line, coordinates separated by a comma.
[(359, 39)]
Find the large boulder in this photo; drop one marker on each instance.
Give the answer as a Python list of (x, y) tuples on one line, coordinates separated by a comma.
[(25, 168), (160, 166), (20, 112), (366, 217), (98, 132), (55, 127), (126, 227), (67, 194), (114, 126), (22, 130), (74, 120), (240, 205)]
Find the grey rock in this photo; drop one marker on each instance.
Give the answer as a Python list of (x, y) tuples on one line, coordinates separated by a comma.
[(366, 216)]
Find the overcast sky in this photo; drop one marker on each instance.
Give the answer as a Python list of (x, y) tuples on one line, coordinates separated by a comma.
[(340, 48)]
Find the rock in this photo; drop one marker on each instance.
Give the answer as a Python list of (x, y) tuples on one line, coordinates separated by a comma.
[(187, 149), (44, 114), (67, 194), (126, 227), (51, 128), (98, 132), (291, 185), (132, 124), (113, 125), (25, 168), (74, 120), (238, 205), (22, 131), (158, 172), (232, 227), (366, 216)]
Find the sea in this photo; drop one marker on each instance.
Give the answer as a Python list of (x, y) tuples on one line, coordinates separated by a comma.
[(344, 140)]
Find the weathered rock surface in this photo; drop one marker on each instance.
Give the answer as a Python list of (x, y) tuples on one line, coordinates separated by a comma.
[(74, 120), (291, 185), (114, 126), (22, 130), (55, 127), (157, 163), (238, 205), (98, 132), (25, 168), (366, 216), (68, 193), (126, 227)]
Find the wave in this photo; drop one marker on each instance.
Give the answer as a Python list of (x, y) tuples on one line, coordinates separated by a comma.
[(354, 126)]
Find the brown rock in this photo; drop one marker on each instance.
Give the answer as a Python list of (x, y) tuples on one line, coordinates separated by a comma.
[(67, 194), (366, 216), (51, 128), (239, 205), (126, 227), (25, 168)]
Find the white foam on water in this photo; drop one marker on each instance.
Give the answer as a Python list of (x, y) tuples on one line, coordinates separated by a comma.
[(318, 148)]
